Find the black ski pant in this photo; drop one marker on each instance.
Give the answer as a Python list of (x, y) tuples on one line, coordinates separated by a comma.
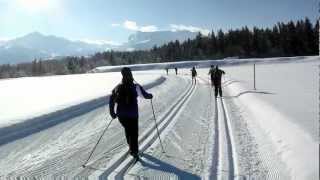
[(131, 128), (217, 88), (194, 79)]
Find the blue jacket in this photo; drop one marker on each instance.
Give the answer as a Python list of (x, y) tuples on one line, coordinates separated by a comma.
[(126, 100)]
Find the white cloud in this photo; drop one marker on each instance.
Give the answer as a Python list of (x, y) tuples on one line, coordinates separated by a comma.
[(133, 26), (150, 28), (115, 25), (180, 27)]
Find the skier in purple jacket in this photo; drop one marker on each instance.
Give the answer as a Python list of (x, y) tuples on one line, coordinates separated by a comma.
[(125, 96)]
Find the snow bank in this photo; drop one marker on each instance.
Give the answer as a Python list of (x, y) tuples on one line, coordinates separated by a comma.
[(26, 98), (292, 87), (203, 63), (297, 149)]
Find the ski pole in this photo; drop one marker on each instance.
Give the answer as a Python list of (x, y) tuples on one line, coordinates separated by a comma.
[(154, 116), (94, 148), (210, 85)]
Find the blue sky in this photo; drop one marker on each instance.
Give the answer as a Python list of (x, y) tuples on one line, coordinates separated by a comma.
[(113, 21)]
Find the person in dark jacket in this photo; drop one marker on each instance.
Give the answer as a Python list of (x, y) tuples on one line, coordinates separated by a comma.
[(176, 69), (125, 96), (194, 75), (211, 74), (217, 75)]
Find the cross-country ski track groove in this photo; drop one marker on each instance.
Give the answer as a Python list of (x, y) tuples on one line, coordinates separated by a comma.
[(224, 164), (119, 165)]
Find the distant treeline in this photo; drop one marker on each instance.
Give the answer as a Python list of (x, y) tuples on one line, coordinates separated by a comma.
[(299, 38)]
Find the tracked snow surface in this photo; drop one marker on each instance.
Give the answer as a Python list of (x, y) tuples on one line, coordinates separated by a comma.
[(49, 125)]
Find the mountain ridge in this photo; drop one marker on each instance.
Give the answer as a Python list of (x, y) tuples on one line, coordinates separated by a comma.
[(36, 45)]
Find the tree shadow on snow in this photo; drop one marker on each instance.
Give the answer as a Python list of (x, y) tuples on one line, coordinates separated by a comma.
[(159, 165)]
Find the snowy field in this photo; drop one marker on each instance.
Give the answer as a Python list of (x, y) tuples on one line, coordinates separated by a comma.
[(293, 88), (29, 97), (268, 133)]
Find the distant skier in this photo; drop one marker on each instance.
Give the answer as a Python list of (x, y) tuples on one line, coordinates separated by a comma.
[(217, 74), (194, 75), (125, 96), (211, 74), (176, 69), (167, 70)]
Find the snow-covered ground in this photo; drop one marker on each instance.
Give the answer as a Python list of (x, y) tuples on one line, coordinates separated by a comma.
[(286, 107), (293, 88), (268, 133), (25, 98)]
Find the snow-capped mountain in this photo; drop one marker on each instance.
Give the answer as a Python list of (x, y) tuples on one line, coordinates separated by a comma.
[(147, 40), (37, 45)]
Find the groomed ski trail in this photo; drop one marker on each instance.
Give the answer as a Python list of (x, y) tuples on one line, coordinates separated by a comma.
[(222, 165), (226, 166), (185, 141), (122, 162), (256, 155), (224, 162), (66, 146)]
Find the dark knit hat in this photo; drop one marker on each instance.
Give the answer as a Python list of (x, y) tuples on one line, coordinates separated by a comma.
[(126, 74)]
